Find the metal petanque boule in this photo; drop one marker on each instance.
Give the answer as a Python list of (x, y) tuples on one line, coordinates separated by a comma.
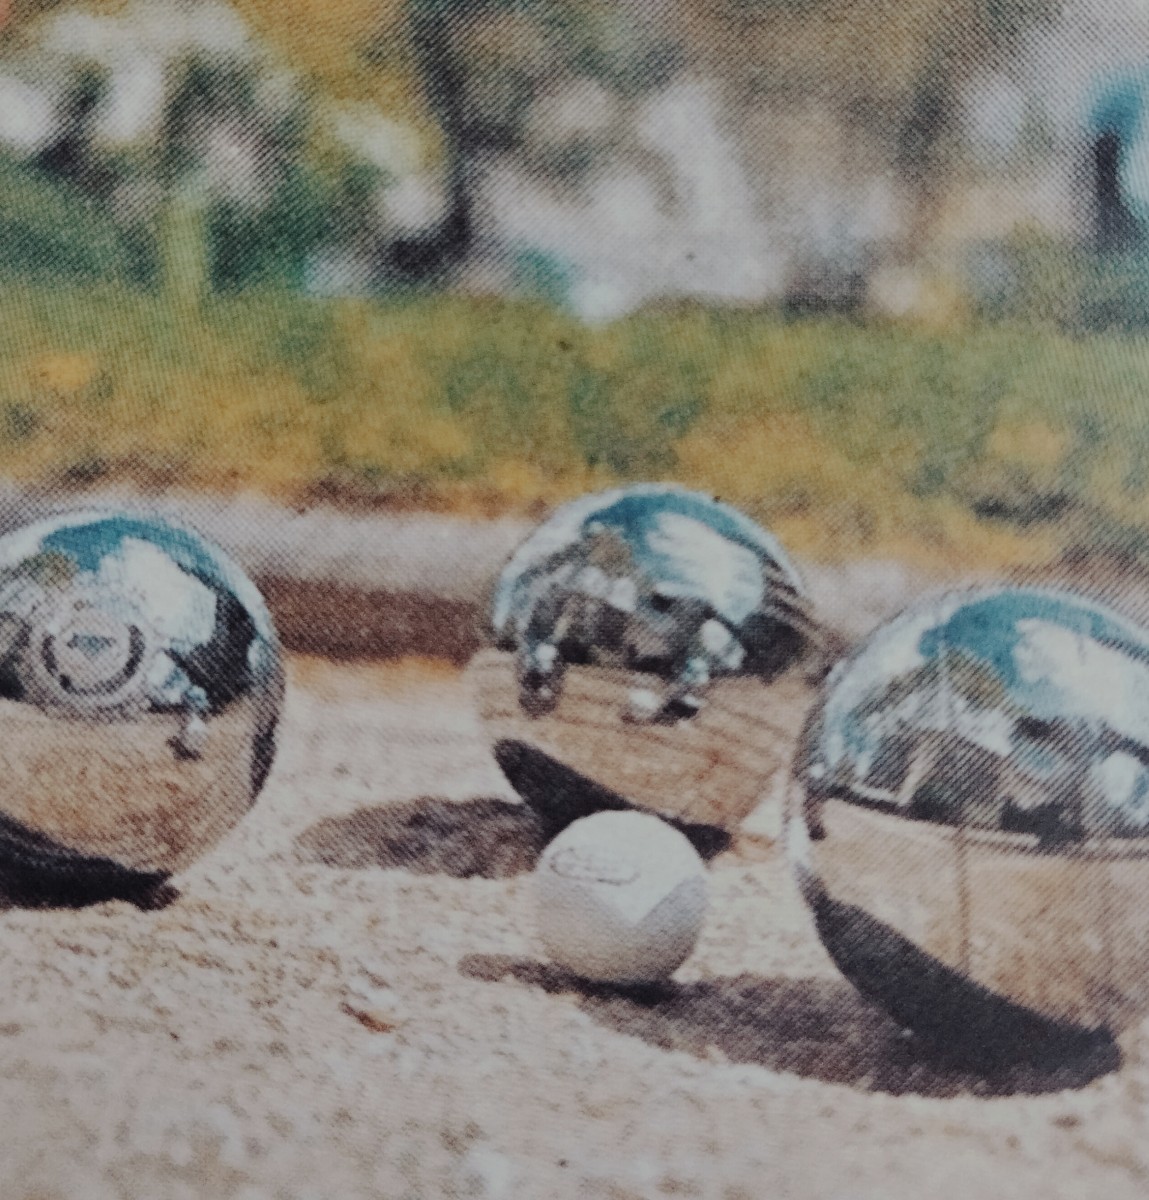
[(635, 633), (969, 820), (140, 688)]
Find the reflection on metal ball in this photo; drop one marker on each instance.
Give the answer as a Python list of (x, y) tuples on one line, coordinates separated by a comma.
[(969, 820), (634, 632), (140, 688)]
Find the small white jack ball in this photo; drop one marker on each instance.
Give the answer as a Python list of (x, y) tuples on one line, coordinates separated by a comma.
[(621, 897)]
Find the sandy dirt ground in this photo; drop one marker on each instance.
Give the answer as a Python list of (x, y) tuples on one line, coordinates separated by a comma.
[(347, 1001)]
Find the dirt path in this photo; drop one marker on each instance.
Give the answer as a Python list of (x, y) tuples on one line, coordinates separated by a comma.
[(334, 1009)]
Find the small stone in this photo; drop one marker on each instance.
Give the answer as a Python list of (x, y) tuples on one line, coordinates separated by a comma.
[(378, 1020), (374, 1005)]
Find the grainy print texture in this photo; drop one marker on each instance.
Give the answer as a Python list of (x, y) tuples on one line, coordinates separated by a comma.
[(574, 599)]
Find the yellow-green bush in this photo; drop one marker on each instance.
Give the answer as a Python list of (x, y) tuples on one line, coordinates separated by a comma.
[(999, 441)]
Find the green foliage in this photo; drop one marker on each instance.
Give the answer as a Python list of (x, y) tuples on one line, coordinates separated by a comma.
[(1007, 438), (1044, 281), (50, 231), (273, 244)]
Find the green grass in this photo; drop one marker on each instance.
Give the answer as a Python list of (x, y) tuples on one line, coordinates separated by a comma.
[(1001, 441)]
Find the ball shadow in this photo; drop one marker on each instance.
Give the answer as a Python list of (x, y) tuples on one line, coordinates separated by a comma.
[(816, 1028), (488, 838), (558, 795), (38, 872), (57, 886)]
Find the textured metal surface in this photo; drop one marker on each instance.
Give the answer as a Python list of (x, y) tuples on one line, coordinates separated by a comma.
[(973, 779), (140, 687), (634, 633)]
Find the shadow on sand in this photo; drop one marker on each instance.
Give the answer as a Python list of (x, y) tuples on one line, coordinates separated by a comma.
[(492, 839), (56, 886), (817, 1028), (38, 872), (488, 838)]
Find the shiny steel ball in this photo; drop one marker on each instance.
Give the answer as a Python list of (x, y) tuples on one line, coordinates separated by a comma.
[(633, 636), (140, 687), (969, 821)]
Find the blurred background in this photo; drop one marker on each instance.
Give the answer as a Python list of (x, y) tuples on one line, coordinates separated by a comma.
[(875, 270)]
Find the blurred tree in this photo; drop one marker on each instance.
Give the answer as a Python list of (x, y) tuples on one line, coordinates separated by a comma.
[(51, 231), (894, 66), (70, 153), (356, 51), (433, 31), (182, 254), (483, 63), (466, 74)]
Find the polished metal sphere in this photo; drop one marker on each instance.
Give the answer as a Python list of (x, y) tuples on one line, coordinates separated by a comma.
[(633, 634), (969, 820), (140, 687)]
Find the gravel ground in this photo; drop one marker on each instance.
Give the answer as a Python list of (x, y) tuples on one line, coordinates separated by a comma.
[(346, 1001)]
